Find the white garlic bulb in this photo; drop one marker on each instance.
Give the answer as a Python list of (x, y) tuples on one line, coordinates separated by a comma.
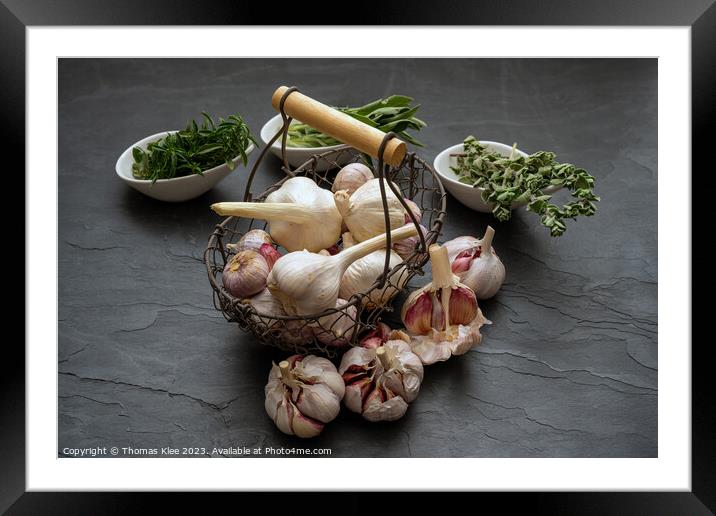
[(381, 382), (337, 329), (308, 283), (476, 263), (442, 318), (351, 177), (301, 215), (363, 211), (303, 393), (364, 272)]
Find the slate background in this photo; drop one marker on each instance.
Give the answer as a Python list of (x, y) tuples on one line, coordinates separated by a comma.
[(569, 367)]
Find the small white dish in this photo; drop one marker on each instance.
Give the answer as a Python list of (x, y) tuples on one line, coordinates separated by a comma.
[(466, 194), (176, 189), (297, 156)]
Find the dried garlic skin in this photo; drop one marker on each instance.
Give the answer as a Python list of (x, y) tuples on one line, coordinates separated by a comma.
[(303, 393), (438, 346), (381, 381)]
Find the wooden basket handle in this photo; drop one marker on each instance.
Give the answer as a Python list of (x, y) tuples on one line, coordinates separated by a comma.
[(340, 126)]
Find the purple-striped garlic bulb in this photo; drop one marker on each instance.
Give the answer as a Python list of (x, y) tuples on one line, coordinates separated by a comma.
[(476, 263)]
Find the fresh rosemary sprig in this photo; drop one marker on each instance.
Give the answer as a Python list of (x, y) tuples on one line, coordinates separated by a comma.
[(393, 113), (516, 178), (194, 149)]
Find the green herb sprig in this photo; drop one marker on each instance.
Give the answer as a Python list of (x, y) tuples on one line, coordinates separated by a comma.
[(393, 113), (516, 178), (194, 149)]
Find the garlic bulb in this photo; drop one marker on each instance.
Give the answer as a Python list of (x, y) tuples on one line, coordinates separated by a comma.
[(351, 177), (442, 318), (308, 283), (476, 263), (301, 215), (252, 239), (415, 209), (245, 273), (265, 304), (303, 394), (381, 382), (338, 328), (364, 272), (405, 248), (363, 211)]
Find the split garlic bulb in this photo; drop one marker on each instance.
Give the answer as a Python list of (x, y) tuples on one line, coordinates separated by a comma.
[(382, 334), (363, 211), (364, 272), (303, 393), (301, 215), (476, 263), (351, 177), (307, 283), (381, 382), (442, 318), (337, 329)]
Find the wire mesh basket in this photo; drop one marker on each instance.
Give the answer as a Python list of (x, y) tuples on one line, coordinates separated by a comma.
[(333, 330)]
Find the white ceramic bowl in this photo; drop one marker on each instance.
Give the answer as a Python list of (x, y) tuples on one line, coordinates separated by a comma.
[(176, 189), (297, 156), (466, 194)]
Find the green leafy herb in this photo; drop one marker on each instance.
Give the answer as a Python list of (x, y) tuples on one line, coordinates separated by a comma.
[(194, 149), (393, 113), (516, 178)]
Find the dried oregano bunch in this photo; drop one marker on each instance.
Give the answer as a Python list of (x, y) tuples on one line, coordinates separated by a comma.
[(516, 178)]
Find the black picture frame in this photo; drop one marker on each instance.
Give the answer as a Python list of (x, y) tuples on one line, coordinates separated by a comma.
[(700, 15)]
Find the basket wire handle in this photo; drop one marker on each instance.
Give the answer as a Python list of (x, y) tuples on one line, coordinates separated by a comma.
[(283, 132), (384, 199)]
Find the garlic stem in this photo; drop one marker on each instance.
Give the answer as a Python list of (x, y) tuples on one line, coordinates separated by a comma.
[(383, 358), (486, 242), (353, 253), (442, 272), (285, 373), (271, 211), (342, 200)]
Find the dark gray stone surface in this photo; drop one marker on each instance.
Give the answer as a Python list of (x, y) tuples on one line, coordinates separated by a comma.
[(569, 367)]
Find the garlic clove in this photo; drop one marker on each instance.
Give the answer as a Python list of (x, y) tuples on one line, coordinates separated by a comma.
[(356, 393), (376, 408), (245, 273), (418, 313), (305, 427), (318, 402), (351, 177)]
